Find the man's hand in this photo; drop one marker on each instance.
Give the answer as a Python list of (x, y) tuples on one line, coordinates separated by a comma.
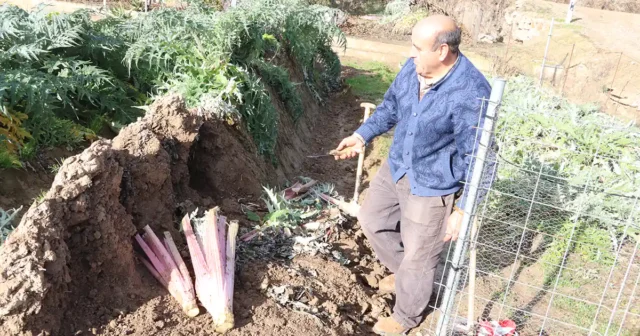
[(453, 226), (353, 143)]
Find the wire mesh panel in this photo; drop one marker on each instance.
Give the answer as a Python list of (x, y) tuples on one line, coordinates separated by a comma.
[(556, 250)]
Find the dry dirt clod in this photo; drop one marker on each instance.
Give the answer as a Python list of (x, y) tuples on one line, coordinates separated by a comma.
[(265, 283), (365, 307), (372, 280), (314, 301), (113, 324), (160, 324)]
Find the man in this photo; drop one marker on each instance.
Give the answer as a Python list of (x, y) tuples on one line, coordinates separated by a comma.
[(409, 213)]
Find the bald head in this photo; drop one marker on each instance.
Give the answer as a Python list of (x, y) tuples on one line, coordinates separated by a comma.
[(437, 30), (436, 43)]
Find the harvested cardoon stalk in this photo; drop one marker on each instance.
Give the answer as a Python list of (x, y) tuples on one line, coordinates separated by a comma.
[(188, 282), (222, 224), (297, 189), (350, 208), (229, 275), (211, 263), (168, 268)]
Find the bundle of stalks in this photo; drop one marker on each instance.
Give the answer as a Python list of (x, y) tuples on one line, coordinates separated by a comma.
[(166, 265), (214, 265)]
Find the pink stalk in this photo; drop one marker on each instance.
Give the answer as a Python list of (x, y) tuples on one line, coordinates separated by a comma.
[(152, 256), (249, 235), (163, 268), (175, 277), (222, 224), (297, 188), (290, 192), (152, 270), (229, 277), (209, 287), (212, 262), (190, 293), (197, 257), (210, 243)]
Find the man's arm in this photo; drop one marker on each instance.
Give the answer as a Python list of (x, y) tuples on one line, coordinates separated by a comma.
[(465, 119), (386, 114)]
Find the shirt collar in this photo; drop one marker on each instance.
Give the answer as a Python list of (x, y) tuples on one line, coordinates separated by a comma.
[(425, 85)]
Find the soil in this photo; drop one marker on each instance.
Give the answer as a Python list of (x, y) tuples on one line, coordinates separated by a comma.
[(629, 6), (70, 267), (20, 186)]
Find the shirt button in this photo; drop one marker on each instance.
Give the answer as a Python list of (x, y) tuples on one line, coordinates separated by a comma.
[(407, 153), (415, 114), (410, 133)]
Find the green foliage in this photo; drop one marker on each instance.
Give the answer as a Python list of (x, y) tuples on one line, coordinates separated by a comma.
[(47, 75), (396, 10), (71, 75), (9, 160), (278, 78), (577, 144), (260, 114)]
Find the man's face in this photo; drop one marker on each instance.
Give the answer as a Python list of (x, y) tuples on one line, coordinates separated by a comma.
[(426, 60)]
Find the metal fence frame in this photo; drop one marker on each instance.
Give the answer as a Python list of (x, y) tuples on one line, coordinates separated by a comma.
[(609, 316)]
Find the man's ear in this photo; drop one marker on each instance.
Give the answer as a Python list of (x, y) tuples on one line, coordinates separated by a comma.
[(444, 51)]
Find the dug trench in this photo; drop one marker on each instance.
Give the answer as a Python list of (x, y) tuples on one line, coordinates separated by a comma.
[(71, 268)]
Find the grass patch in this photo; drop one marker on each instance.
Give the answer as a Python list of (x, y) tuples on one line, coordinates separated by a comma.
[(9, 160), (383, 143), (372, 81)]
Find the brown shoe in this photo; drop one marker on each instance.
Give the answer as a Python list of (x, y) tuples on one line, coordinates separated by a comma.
[(389, 327), (388, 284)]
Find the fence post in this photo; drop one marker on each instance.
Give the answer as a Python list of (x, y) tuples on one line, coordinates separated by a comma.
[(566, 73), (453, 278), (613, 80), (572, 5), (546, 51)]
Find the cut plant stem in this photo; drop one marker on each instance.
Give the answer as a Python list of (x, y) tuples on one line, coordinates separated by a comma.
[(214, 265), (229, 276), (350, 208), (188, 282), (298, 189), (169, 269)]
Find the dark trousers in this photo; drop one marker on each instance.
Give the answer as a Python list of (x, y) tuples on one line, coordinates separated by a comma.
[(406, 233)]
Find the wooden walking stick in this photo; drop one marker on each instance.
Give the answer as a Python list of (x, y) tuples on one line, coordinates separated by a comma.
[(367, 112)]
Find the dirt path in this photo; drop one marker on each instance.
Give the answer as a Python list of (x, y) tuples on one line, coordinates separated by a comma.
[(609, 30)]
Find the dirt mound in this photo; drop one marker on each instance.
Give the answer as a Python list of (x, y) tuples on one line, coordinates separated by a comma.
[(72, 251)]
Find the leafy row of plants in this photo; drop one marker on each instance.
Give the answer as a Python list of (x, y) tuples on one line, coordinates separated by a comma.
[(63, 77), (581, 167)]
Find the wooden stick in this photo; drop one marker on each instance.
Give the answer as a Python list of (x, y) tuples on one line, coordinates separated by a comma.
[(367, 112)]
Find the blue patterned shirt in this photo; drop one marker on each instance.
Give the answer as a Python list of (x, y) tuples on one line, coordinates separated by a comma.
[(435, 138)]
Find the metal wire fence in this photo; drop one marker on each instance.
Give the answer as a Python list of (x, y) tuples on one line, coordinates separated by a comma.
[(554, 250)]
